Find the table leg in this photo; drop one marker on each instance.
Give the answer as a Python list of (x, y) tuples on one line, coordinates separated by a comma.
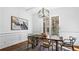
[(56, 45)]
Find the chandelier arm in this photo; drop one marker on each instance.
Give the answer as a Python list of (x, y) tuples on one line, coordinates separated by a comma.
[(43, 12)]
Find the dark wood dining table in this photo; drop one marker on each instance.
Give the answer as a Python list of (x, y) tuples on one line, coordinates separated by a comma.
[(56, 41)]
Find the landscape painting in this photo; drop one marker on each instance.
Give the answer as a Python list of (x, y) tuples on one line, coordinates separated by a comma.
[(19, 23)]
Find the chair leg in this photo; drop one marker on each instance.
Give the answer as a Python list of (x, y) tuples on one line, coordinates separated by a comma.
[(27, 46), (52, 48), (43, 48), (72, 48), (48, 48), (40, 47), (61, 47)]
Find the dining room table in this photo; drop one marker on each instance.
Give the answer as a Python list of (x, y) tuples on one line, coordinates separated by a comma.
[(53, 38), (56, 39)]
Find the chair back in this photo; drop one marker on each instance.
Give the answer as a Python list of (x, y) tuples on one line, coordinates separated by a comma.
[(61, 38), (44, 39), (72, 41)]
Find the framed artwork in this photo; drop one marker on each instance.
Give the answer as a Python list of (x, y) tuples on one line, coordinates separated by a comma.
[(19, 23), (55, 25)]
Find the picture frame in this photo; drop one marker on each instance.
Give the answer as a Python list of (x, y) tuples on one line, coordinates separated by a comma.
[(18, 23)]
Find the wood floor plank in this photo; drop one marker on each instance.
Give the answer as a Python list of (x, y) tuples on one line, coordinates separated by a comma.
[(14, 47)]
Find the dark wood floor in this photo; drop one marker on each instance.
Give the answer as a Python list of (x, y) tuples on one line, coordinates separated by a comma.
[(23, 47), (38, 48)]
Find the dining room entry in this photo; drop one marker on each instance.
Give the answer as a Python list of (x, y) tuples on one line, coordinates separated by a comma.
[(51, 26)]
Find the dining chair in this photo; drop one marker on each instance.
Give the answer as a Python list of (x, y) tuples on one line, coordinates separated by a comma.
[(30, 42), (46, 43), (68, 42), (33, 41)]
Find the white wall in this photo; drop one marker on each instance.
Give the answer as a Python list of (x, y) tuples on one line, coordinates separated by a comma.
[(37, 24), (9, 37), (69, 22)]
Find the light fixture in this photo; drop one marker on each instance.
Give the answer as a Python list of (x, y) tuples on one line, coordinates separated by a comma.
[(43, 12)]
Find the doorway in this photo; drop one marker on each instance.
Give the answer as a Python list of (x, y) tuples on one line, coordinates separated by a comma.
[(51, 26)]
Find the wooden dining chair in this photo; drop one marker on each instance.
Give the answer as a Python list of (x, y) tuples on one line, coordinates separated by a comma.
[(68, 43), (46, 43), (30, 42)]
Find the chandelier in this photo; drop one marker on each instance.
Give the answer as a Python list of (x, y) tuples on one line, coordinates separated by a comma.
[(43, 12)]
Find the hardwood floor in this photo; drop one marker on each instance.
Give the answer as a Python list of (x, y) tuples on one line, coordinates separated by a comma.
[(16, 47), (22, 47), (76, 48)]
